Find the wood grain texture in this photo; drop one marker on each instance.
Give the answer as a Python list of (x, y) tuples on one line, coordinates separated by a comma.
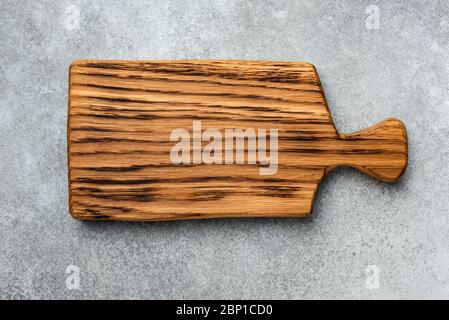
[(121, 114)]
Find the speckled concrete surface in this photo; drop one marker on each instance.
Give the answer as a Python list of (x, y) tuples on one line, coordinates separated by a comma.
[(400, 69)]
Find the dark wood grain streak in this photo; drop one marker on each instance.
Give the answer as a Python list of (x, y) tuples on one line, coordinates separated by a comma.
[(121, 114)]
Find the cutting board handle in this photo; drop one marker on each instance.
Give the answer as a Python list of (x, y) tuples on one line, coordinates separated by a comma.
[(380, 151)]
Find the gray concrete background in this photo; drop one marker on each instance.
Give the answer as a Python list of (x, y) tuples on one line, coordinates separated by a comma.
[(400, 69)]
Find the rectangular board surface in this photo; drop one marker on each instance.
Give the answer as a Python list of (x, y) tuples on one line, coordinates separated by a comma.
[(164, 140)]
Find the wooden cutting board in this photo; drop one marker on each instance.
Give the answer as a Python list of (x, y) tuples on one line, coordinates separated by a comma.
[(165, 140)]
